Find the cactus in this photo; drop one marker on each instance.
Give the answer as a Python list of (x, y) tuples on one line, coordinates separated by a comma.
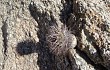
[(60, 40)]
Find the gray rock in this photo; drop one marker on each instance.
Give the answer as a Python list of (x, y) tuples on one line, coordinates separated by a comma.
[(24, 26)]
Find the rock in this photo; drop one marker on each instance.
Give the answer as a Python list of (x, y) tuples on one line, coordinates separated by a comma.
[(25, 24), (94, 32)]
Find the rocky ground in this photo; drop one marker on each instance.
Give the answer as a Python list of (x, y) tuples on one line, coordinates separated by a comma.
[(25, 24)]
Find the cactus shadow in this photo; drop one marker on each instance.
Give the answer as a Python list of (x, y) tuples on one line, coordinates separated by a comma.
[(26, 47), (46, 60)]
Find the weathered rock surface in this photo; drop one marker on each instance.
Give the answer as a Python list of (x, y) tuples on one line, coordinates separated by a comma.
[(94, 34), (24, 25)]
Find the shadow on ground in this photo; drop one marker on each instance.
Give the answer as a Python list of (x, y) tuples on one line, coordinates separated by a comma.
[(46, 60)]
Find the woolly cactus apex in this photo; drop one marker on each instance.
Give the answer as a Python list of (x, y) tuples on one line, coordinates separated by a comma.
[(60, 40)]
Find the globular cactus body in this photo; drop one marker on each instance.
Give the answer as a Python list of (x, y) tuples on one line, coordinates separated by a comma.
[(60, 39)]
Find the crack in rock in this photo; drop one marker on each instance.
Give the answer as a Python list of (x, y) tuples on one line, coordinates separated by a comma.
[(4, 34)]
